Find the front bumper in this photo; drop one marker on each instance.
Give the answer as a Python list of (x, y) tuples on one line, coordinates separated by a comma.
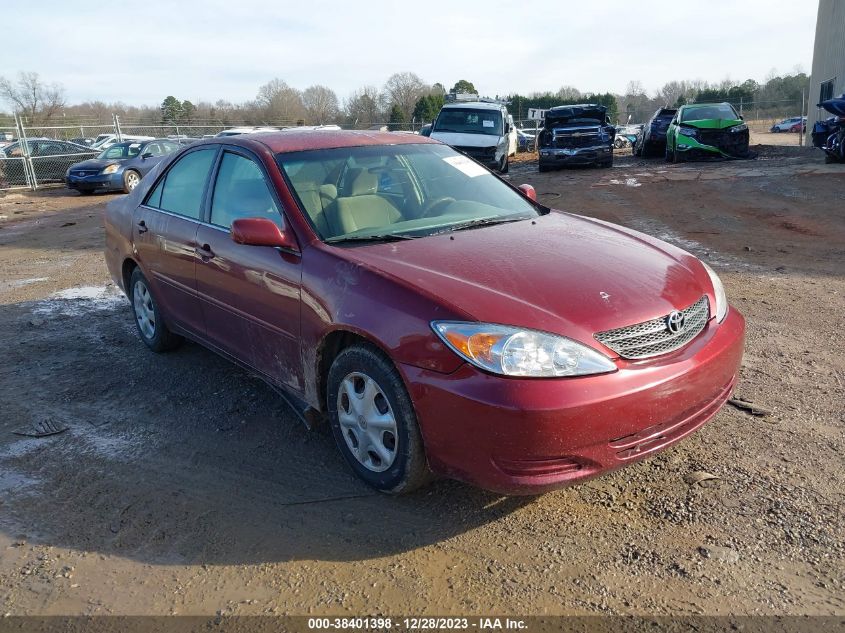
[(524, 436), (729, 145), (551, 156), (97, 182)]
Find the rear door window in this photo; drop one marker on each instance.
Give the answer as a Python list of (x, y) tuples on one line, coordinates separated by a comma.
[(182, 188)]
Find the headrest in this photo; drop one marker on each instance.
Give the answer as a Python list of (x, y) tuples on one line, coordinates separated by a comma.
[(328, 191), (363, 183)]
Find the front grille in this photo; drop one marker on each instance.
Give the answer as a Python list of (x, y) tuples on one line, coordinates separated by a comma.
[(479, 153), (733, 143), (652, 338), (571, 141)]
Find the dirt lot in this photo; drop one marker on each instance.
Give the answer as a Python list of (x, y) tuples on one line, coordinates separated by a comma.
[(183, 485)]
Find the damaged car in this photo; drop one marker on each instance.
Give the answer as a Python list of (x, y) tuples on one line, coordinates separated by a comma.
[(576, 135), (706, 130)]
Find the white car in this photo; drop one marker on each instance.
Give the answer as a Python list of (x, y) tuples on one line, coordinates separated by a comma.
[(482, 130), (234, 131), (104, 141)]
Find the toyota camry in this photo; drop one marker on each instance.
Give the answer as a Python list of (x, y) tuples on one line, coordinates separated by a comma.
[(441, 320)]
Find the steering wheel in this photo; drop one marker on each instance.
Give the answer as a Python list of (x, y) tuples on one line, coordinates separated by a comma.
[(438, 204)]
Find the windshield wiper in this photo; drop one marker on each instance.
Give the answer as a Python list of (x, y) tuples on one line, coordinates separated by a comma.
[(472, 224), (370, 238)]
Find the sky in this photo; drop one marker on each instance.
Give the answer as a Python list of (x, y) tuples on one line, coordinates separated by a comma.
[(139, 52)]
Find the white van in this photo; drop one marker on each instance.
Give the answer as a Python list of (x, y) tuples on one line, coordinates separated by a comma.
[(480, 129)]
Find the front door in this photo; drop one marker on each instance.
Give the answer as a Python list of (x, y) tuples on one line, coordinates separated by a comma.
[(249, 294), (164, 237)]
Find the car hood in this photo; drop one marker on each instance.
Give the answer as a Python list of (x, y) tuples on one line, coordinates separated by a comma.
[(466, 140), (96, 163), (562, 273), (712, 124)]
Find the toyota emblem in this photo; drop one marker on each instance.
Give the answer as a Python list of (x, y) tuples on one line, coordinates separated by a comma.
[(675, 321)]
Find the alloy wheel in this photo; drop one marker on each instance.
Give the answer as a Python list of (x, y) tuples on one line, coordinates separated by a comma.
[(142, 301), (132, 180), (367, 422)]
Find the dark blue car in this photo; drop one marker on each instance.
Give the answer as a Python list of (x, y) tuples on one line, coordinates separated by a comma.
[(120, 167)]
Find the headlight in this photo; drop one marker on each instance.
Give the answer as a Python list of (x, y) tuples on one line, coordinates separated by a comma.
[(110, 169), (738, 128), (721, 307), (689, 131), (512, 351)]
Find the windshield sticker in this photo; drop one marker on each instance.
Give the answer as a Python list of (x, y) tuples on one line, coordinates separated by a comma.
[(487, 123), (465, 165)]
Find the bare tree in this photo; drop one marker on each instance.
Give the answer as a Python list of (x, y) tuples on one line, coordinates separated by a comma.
[(280, 103), (363, 106), (320, 104), (403, 90), (568, 93), (33, 99)]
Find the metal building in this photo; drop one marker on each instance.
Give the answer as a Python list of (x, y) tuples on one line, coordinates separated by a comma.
[(828, 75)]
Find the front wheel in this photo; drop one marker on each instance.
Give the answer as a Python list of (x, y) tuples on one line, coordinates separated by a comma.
[(503, 169), (373, 421), (130, 180), (670, 155), (148, 321)]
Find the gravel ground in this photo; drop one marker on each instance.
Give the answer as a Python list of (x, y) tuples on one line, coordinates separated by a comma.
[(183, 485)]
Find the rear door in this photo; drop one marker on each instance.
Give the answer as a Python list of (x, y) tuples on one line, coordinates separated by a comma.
[(165, 232), (250, 295)]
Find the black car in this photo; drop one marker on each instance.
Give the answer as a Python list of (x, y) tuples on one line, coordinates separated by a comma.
[(50, 159), (651, 140), (576, 135)]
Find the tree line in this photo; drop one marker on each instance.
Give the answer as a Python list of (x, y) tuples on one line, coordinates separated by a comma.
[(404, 100)]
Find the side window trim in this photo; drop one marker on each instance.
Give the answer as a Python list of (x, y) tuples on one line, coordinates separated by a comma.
[(163, 178), (215, 172)]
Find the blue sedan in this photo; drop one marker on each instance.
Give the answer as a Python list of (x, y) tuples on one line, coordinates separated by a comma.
[(120, 167)]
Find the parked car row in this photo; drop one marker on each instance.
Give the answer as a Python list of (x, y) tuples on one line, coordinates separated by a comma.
[(792, 124), (49, 160)]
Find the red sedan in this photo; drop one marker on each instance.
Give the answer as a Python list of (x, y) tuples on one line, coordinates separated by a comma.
[(441, 319)]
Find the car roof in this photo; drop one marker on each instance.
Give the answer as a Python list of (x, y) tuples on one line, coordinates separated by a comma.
[(295, 141), (474, 105)]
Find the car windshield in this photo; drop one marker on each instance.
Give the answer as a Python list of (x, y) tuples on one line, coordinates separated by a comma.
[(720, 111), (398, 191), (469, 121), (121, 150)]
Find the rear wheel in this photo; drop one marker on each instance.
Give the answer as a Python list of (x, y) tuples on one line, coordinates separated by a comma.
[(148, 321), (130, 180), (373, 421)]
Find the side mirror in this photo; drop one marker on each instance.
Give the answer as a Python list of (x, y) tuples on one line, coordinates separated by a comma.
[(261, 232), (146, 155), (528, 191), (507, 128)]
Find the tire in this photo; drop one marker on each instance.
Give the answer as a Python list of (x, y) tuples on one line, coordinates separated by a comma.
[(85, 192), (607, 163), (543, 168), (669, 155), (131, 179), (393, 460), (148, 320), (505, 165)]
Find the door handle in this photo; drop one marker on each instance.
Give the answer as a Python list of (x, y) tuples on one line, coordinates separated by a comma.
[(142, 227), (204, 251)]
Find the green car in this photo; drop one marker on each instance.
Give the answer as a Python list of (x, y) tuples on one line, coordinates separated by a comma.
[(706, 130)]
